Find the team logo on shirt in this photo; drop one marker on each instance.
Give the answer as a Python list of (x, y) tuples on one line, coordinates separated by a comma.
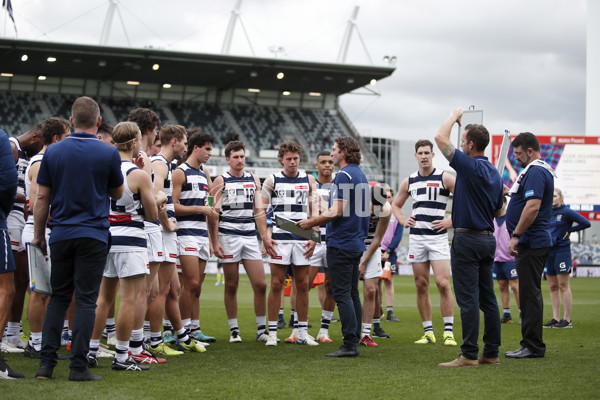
[(231, 192), (195, 187), (529, 193), (301, 187), (559, 217), (249, 185), (281, 193), (433, 184)]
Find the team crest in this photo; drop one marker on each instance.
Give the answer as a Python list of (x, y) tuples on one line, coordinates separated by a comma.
[(281, 193)]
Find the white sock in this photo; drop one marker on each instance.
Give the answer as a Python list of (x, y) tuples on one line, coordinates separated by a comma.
[(428, 326), (233, 325), (448, 324), (36, 340), (366, 329)]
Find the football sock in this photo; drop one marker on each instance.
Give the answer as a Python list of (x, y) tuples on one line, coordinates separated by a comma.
[(261, 324), (448, 324), (428, 326), (366, 329)]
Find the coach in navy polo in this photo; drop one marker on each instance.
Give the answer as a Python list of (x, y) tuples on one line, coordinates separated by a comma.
[(528, 221), (478, 198), (76, 178), (347, 227)]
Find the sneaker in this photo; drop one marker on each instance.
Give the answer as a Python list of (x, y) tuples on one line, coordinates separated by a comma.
[(8, 347), (201, 337), (367, 341), (235, 337), (64, 339), (105, 353), (293, 337), (23, 341), (169, 338), (335, 319), (392, 317), (111, 340), (291, 323), (307, 342), (380, 333), (31, 352), (128, 365), (427, 338), (162, 350), (449, 339), (562, 324), (506, 320), (193, 347), (69, 345), (550, 324), (263, 337), (272, 341), (92, 360), (145, 357), (7, 372), (324, 338), (280, 324)]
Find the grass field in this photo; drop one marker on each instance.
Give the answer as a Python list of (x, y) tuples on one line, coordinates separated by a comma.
[(396, 369)]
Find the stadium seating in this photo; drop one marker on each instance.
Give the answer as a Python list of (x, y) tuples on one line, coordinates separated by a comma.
[(264, 127)]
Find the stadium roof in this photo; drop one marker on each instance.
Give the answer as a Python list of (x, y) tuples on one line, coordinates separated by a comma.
[(211, 70)]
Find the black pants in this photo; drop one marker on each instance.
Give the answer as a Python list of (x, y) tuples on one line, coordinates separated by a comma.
[(530, 265), (77, 266), (472, 257), (343, 272)]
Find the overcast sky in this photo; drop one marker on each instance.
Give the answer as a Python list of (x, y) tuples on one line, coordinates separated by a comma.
[(522, 62)]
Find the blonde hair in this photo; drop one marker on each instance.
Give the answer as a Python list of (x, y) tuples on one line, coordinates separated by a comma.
[(123, 135)]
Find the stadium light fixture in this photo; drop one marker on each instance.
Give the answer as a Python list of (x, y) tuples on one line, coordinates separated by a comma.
[(373, 82), (167, 85), (7, 74), (42, 78), (315, 94), (155, 67), (280, 75), (24, 57), (253, 90), (133, 83), (51, 59), (286, 93)]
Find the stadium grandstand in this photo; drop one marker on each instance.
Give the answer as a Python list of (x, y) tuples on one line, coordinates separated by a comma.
[(260, 101)]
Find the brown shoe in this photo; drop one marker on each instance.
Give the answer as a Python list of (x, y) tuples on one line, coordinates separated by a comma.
[(487, 360), (461, 361)]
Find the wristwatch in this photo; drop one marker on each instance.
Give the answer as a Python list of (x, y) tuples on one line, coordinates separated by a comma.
[(515, 235)]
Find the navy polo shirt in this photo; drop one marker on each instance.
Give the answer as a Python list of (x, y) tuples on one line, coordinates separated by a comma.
[(349, 231), (79, 170), (537, 183), (477, 192)]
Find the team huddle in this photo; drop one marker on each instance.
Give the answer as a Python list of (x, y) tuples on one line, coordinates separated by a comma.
[(166, 218), (131, 211)]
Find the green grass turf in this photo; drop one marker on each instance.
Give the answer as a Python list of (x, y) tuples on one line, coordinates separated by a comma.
[(396, 369)]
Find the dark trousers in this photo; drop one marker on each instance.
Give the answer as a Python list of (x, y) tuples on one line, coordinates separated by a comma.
[(77, 266), (343, 272), (530, 265), (472, 257)]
